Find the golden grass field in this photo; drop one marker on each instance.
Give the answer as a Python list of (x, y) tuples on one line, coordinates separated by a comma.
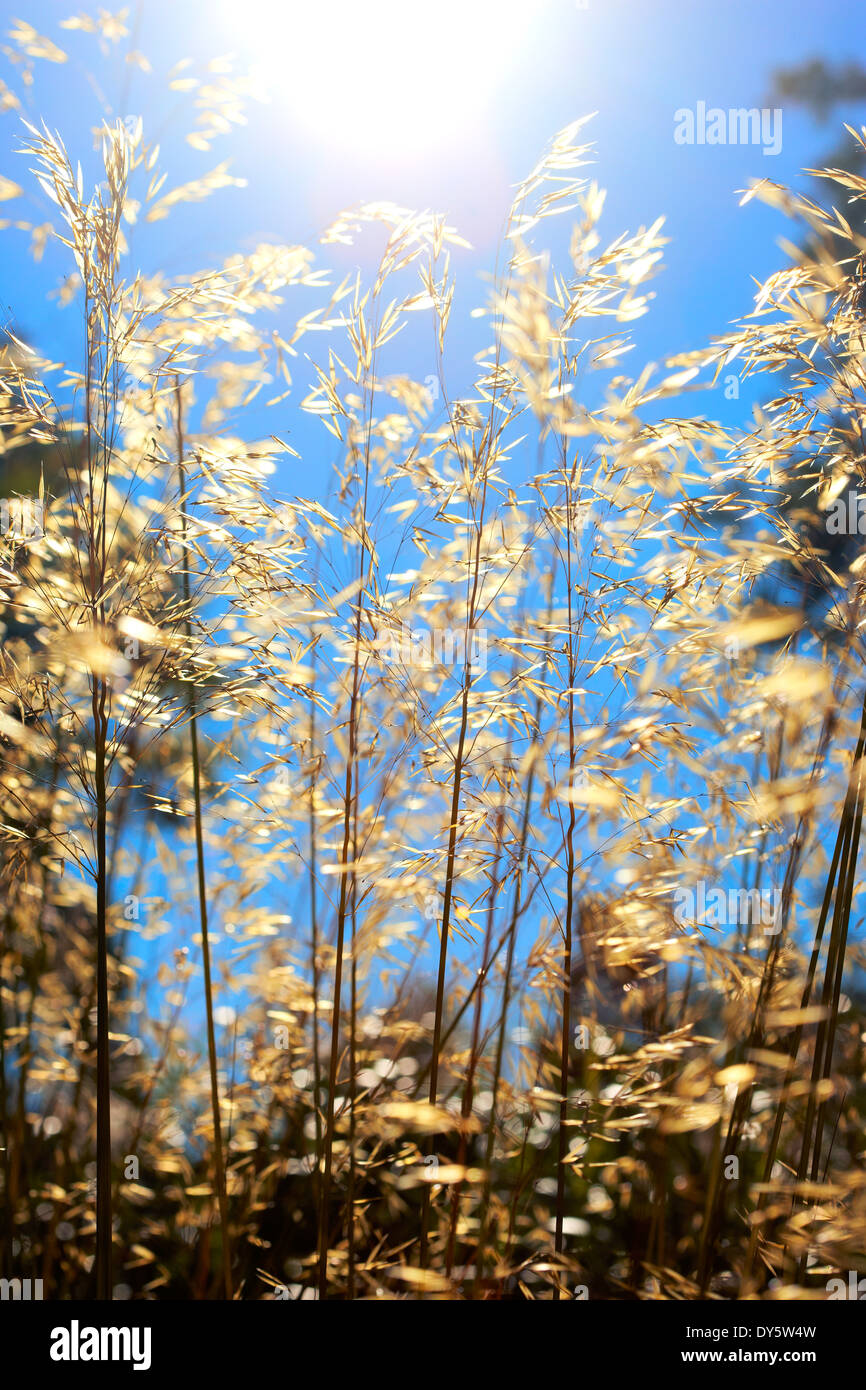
[(442, 884)]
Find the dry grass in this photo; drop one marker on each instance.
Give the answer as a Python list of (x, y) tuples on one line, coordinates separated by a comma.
[(339, 961)]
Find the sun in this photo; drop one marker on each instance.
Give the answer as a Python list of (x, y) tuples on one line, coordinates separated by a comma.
[(389, 79)]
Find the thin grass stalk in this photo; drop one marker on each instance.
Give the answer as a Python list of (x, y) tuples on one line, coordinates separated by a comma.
[(8, 1224), (474, 1050), (796, 1039), (333, 1065), (96, 554), (452, 851), (353, 1061), (835, 965), (565, 1041), (522, 842), (314, 929), (192, 706)]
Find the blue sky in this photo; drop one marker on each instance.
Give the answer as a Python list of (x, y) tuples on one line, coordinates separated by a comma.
[(632, 62)]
